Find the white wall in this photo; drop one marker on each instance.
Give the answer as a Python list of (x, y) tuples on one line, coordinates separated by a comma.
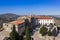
[(46, 21)]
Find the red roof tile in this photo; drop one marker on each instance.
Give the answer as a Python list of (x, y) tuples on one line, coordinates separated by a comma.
[(43, 17), (17, 22)]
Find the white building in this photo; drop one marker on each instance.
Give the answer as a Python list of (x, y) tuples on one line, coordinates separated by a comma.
[(45, 20)]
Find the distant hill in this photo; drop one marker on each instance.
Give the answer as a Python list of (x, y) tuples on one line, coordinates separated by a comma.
[(56, 17), (8, 17)]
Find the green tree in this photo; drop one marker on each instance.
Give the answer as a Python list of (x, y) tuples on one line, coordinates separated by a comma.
[(43, 30), (27, 34), (1, 26), (27, 23), (58, 28), (14, 35), (49, 33), (33, 22)]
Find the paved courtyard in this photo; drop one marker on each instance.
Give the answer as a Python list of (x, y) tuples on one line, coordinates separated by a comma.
[(3, 34)]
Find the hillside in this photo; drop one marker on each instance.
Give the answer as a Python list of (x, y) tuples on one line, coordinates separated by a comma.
[(57, 19), (8, 17)]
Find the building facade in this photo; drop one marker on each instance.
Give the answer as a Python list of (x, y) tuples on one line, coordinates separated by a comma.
[(45, 20)]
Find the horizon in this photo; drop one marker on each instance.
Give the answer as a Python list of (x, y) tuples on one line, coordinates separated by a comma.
[(27, 7)]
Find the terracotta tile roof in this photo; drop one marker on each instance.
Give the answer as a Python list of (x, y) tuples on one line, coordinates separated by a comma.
[(43, 17), (17, 22)]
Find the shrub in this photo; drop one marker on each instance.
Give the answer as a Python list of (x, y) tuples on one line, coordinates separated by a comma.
[(43, 31), (49, 33), (58, 28)]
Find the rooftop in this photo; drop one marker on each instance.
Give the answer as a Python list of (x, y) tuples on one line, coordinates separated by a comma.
[(43, 17), (17, 22)]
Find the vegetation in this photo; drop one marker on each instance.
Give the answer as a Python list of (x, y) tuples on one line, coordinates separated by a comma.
[(14, 35), (58, 28), (27, 23), (1, 26), (49, 33), (7, 38), (43, 30), (27, 29), (33, 22), (27, 34)]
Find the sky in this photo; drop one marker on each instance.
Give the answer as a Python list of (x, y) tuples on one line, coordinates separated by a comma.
[(27, 7)]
